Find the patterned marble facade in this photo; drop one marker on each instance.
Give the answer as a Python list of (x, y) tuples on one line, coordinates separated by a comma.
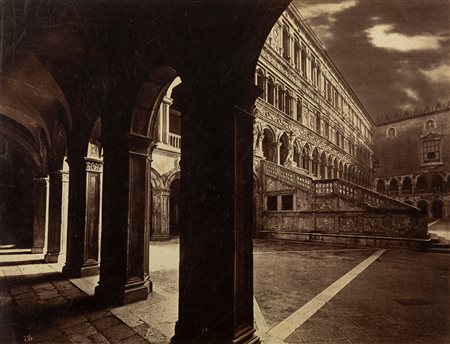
[(413, 159), (307, 117)]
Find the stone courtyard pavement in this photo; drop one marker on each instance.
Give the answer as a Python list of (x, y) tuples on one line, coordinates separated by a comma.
[(304, 293)]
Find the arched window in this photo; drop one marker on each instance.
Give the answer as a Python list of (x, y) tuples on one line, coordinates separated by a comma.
[(336, 169), (297, 157), (323, 165), (297, 55), (318, 123), (268, 146), (287, 104), (330, 167), (286, 44), (315, 163), (280, 102), (407, 186), (327, 129), (284, 148), (381, 187), (430, 124), (391, 132), (421, 184), (437, 183), (260, 82), (299, 110), (305, 158), (393, 187), (270, 91)]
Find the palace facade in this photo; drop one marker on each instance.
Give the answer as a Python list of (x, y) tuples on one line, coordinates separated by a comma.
[(413, 159), (313, 151)]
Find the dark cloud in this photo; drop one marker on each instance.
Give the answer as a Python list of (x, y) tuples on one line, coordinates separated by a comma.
[(406, 61)]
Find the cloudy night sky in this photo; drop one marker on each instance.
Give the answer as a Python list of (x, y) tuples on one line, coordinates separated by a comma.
[(395, 54)]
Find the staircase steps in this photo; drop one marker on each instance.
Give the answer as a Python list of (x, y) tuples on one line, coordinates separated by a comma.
[(439, 244)]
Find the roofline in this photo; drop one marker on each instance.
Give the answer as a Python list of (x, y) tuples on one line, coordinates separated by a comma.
[(435, 112), (308, 30)]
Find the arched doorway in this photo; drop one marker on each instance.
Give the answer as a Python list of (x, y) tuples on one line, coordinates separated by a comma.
[(284, 148), (323, 165), (268, 145), (174, 208), (315, 163), (437, 209)]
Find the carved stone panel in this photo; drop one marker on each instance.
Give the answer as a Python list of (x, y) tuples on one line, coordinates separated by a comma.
[(325, 224)]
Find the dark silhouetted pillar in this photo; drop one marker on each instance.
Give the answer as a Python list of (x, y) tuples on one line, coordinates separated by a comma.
[(124, 275), (83, 221), (216, 263)]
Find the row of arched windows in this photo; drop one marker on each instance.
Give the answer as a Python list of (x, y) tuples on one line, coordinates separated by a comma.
[(309, 158), (422, 184)]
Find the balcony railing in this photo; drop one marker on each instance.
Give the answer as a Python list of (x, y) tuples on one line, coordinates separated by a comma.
[(357, 193), (175, 140)]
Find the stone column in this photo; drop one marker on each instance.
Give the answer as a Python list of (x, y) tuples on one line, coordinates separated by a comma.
[(165, 114), (40, 209), (277, 150), (124, 274), (160, 214), (216, 262), (54, 218), (65, 210), (83, 221)]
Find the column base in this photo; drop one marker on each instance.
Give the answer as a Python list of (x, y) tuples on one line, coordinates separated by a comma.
[(81, 271), (51, 257), (122, 295), (188, 335), (37, 250)]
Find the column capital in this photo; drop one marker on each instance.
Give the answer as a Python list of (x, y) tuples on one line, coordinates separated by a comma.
[(139, 144), (93, 165)]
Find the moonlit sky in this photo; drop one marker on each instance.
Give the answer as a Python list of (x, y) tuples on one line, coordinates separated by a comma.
[(395, 54)]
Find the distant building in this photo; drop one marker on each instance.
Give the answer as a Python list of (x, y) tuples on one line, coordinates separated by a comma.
[(412, 160)]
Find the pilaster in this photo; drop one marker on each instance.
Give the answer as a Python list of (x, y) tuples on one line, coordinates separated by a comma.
[(54, 218)]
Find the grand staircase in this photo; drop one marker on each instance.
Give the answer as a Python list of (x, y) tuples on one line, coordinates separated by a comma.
[(341, 211), (357, 194)]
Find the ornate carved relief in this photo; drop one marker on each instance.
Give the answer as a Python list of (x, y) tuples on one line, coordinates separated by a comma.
[(325, 224)]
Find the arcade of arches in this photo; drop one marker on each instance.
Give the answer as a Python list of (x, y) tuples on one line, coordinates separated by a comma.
[(63, 67), (427, 191), (94, 102)]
